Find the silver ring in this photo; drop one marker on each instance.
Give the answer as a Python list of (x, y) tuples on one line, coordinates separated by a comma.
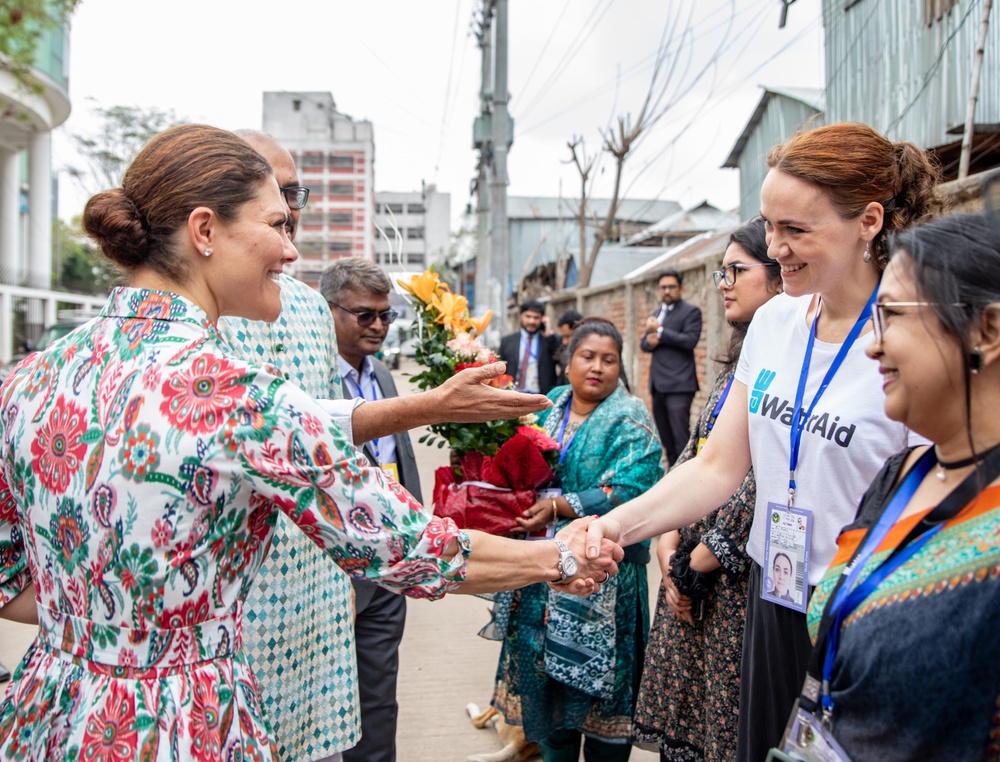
[(606, 578)]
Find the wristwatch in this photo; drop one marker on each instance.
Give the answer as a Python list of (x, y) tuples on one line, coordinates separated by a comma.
[(568, 565)]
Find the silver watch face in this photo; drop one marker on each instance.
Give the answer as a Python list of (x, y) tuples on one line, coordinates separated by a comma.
[(570, 566)]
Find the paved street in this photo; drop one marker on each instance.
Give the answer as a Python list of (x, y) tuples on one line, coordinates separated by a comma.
[(444, 665)]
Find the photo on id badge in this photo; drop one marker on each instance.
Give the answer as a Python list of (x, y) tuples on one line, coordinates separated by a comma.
[(786, 552)]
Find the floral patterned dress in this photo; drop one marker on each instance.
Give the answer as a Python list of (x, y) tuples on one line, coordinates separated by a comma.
[(142, 472), (690, 692)]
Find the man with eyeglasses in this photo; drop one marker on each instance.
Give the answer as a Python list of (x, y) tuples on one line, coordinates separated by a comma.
[(672, 333), (357, 291), (298, 628)]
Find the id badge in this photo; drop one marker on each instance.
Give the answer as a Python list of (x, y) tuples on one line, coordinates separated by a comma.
[(549, 530), (392, 470), (807, 739), (701, 443), (786, 556)]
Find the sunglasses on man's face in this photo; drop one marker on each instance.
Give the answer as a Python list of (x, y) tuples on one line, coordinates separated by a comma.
[(295, 196), (366, 318)]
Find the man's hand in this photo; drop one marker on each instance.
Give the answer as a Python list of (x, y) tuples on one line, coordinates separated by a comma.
[(652, 325), (594, 570), (466, 398)]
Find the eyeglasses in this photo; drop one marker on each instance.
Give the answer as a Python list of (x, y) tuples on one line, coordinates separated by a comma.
[(728, 274), (367, 317), (882, 311), (295, 196)]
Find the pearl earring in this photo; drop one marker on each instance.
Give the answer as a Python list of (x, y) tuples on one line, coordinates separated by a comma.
[(208, 252), (868, 253)]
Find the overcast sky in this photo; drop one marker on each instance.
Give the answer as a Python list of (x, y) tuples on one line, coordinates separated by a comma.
[(412, 68)]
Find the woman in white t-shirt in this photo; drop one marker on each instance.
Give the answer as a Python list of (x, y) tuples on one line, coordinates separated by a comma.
[(829, 201)]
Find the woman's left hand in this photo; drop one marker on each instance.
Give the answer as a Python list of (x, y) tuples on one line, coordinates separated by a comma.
[(537, 516)]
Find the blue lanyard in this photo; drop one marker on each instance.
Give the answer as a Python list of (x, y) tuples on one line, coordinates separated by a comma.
[(798, 418), (564, 448), (719, 404), (846, 599)]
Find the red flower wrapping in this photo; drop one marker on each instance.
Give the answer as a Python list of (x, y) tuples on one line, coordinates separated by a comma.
[(514, 473)]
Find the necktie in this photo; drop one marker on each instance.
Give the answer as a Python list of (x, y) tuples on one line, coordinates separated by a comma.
[(522, 369)]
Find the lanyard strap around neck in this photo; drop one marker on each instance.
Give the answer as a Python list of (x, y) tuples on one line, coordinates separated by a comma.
[(718, 405), (846, 597), (799, 419), (564, 448)]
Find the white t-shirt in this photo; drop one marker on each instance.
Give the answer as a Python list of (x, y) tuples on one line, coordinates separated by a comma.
[(844, 443)]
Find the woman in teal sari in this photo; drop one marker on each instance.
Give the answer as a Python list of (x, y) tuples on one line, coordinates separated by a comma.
[(570, 666)]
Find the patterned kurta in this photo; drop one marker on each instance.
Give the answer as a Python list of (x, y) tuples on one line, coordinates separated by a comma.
[(299, 625), (142, 472), (917, 670), (690, 692), (614, 457)]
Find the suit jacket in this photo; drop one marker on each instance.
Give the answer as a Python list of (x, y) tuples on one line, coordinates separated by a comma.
[(510, 352), (406, 462), (672, 369)]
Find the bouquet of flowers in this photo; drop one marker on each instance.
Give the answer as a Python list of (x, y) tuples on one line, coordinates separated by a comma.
[(497, 465)]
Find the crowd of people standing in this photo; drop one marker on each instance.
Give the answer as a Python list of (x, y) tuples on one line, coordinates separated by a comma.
[(165, 467)]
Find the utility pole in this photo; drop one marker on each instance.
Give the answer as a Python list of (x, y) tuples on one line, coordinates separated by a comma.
[(970, 117), (502, 137), (480, 141)]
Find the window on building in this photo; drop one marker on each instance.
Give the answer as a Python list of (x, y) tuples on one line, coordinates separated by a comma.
[(415, 234), (310, 248), (339, 247), (414, 258), (312, 159), (394, 208), (340, 218), (415, 208), (341, 162), (340, 189), (311, 218)]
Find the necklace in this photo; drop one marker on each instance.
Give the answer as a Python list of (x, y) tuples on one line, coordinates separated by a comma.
[(952, 465), (574, 410)]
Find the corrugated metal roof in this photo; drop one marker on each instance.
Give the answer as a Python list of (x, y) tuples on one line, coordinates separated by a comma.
[(698, 218), (681, 253), (813, 97)]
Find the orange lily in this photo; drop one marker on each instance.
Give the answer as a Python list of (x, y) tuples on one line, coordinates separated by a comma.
[(479, 324), (452, 309), (423, 286)]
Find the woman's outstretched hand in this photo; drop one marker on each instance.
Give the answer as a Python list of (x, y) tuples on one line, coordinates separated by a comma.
[(594, 569), (467, 397)]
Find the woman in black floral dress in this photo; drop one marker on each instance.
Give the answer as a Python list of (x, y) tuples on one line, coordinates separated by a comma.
[(689, 698)]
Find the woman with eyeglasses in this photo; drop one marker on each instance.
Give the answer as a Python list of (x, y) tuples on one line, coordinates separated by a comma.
[(907, 615), (142, 468), (804, 409), (689, 697)]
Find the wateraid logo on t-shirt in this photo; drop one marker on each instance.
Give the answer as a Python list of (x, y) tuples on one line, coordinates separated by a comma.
[(776, 408)]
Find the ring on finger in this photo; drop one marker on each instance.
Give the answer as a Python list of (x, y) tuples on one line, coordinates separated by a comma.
[(607, 576)]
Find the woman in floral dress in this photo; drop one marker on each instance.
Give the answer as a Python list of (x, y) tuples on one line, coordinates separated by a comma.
[(689, 697), (141, 471)]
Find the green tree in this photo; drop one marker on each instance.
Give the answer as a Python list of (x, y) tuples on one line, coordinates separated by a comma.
[(81, 268), (22, 23), (121, 133)]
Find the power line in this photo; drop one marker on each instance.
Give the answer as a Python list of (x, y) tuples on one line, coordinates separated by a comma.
[(929, 74), (447, 87), (545, 47)]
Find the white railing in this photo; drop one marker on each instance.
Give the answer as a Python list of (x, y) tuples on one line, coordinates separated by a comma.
[(41, 310)]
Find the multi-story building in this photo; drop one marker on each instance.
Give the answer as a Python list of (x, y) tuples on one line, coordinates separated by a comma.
[(423, 222), (335, 156)]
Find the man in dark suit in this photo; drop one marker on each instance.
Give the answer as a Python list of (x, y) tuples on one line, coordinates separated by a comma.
[(357, 291), (672, 333), (530, 354)]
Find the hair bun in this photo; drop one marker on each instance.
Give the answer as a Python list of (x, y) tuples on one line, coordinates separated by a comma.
[(113, 221)]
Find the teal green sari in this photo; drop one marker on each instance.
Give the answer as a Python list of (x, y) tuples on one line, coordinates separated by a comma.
[(575, 663)]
